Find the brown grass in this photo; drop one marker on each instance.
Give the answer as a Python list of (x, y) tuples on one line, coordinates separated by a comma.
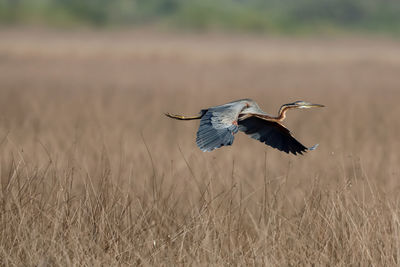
[(93, 174)]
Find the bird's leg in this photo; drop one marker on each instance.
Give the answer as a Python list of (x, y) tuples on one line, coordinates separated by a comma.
[(181, 117)]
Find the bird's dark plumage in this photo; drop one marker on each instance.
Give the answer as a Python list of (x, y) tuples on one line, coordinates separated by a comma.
[(271, 133)]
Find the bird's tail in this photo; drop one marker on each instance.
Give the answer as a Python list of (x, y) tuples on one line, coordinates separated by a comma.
[(181, 117)]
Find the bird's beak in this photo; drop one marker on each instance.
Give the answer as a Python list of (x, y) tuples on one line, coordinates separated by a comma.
[(311, 105)]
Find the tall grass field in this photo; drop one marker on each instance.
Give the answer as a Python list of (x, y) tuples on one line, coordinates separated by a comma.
[(93, 174)]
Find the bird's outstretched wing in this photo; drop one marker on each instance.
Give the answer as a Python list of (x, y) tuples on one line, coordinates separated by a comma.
[(218, 126), (271, 133)]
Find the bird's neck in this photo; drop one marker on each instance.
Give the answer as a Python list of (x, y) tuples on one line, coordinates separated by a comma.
[(282, 113)]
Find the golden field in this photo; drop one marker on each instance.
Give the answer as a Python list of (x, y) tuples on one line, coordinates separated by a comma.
[(93, 173)]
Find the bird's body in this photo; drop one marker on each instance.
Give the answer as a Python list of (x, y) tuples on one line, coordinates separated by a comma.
[(219, 124)]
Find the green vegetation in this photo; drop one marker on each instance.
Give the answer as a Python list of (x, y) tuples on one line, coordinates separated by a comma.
[(288, 16)]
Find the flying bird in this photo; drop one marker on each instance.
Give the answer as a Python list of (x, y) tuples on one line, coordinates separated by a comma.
[(219, 124)]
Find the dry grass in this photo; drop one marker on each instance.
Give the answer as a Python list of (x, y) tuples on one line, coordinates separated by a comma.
[(93, 174)]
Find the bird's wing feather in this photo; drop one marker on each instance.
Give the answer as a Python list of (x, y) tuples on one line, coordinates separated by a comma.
[(218, 126), (271, 133)]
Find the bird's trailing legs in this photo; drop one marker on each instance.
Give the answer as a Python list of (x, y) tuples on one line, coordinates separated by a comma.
[(181, 117)]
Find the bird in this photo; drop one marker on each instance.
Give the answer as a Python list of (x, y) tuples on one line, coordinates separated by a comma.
[(219, 124)]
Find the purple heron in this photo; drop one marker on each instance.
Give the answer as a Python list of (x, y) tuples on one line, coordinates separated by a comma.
[(219, 124)]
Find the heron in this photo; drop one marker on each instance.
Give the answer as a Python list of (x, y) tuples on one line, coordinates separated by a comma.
[(219, 124)]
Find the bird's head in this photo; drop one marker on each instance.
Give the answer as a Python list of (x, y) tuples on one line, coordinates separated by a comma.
[(302, 104)]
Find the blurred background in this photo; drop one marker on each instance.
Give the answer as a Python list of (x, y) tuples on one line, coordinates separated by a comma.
[(83, 89), (271, 16), (181, 56)]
